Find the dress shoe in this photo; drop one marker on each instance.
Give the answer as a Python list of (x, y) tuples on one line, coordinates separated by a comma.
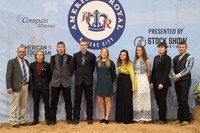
[(75, 122), (53, 122), (184, 123), (177, 122), (69, 121), (48, 122), (35, 122), (102, 121), (90, 121), (24, 124), (107, 121), (141, 122), (161, 122), (15, 126)]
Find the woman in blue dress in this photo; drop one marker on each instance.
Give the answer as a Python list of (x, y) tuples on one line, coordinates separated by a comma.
[(104, 89)]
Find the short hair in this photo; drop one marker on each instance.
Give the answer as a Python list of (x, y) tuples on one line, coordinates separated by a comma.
[(162, 44), (83, 40), (182, 43), (42, 53), (21, 46), (61, 43)]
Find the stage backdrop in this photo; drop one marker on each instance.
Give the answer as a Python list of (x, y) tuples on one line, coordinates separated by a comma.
[(40, 24)]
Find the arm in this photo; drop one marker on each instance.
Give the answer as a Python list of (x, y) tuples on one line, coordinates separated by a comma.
[(148, 68), (113, 71), (188, 68), (132, 76), (9, 73), (93, 63)]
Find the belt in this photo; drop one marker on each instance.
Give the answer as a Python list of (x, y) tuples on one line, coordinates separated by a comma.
[(25, 83)]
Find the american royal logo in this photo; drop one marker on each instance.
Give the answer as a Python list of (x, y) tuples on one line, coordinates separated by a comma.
[(101, 22)]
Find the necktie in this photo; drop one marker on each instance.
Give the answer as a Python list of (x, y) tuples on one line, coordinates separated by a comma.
[(83, 59), (24, 71), (39, 68)]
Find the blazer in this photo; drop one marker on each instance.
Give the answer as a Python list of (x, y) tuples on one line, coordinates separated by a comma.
[(14, 75), (61, 75), (161, 70), (44, 78), (83, 73)]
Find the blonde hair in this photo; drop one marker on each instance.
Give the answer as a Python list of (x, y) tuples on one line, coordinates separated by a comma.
[(99, 63)]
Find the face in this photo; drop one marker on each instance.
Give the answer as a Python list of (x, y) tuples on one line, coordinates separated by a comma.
[(161, 50), (21, 52), (61, 49), (182, 48), (139, 51), (123, 56), (104, 53), (39, 56), (83, 46)]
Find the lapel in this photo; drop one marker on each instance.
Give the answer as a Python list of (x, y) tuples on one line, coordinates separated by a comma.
[(80, 58), (64, 60), (18, 65)]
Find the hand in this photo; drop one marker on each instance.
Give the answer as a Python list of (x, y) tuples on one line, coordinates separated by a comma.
[(175, 78), (160, 86), (151, 85), (10, 90)]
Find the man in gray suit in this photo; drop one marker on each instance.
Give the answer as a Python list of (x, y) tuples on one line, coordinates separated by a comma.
[(61, 80), (17, 81)]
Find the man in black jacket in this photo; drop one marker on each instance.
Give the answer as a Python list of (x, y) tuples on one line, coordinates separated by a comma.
[(83, 64), (181, 72), (61, 80), (160, 80), (41, 76)]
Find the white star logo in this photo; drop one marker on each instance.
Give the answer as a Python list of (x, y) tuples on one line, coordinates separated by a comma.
[(49, 6)]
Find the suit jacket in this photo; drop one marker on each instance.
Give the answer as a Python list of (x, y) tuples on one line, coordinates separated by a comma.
[(61, 74), (161, 70), (14, 75), (44, 78), (83, 72)]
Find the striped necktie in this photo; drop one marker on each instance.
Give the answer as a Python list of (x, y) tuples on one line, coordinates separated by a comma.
[(83, 59), (24, 71)]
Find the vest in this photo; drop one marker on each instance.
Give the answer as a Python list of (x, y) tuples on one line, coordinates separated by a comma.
[(179, 65)]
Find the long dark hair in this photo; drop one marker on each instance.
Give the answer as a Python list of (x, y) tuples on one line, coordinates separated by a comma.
[(144, 53), (119, 61)]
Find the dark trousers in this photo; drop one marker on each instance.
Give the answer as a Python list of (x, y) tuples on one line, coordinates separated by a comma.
[(88, 90), (44, 92), (55, 93), (182, 91), (160, 96)]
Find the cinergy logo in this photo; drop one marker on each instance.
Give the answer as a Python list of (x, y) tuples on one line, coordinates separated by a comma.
[(101, 22)]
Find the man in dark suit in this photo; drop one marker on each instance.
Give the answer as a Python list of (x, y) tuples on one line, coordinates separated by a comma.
[(160, 80), (61, 80), (83, 64), (41, 76), (17, 82), (181, 72)]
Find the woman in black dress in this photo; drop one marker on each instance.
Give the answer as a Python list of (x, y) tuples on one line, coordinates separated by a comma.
[(105, 78), (125, 87)]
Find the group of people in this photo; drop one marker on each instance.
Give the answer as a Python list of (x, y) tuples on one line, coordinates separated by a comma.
[(134, 81)]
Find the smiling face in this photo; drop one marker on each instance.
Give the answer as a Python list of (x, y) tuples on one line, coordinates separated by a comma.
[(21, 52), (104, 53), (139, 51), (39, 56), (123, 56), (182, 48)]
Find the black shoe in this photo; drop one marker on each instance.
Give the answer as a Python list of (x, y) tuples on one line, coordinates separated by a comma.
[(162, 122), (90, 121), (25, 124), (35, 122), (102, 121), (75, 121), (69, 121), (15, 126), (48, 122), (53, 122), (106, 121)]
